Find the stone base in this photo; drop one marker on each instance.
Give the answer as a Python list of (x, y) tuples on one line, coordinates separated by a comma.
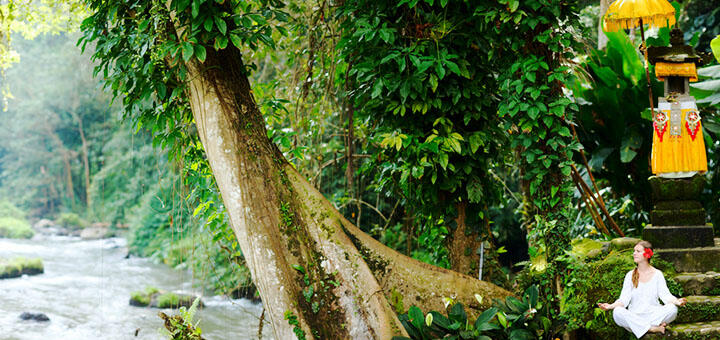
[(678, 217), (679, 236), (668, 189)]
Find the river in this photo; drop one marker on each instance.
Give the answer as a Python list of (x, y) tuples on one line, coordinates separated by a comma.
[(85, 291)]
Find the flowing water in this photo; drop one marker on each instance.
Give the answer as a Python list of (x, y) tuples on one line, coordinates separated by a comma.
[(85, 292)]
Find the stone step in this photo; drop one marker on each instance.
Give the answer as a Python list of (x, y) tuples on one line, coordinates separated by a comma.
[(705, 259), (678, 217), (679, 236), (689, 331), (699, 283), (699, 308)]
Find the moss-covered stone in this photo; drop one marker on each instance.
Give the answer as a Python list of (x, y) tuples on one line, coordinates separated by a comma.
[(678, 217), (586, 247), (700, 283), (689, 331), (156, 298), (700, 308), (692, 259), (667, 189), (139, 299), (622, 243), (678, 204), (679, 236), (20, 266)]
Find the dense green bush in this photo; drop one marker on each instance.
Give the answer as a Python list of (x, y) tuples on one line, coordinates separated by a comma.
[(71, 220), (512, 318), (11, 227), (8, 209)]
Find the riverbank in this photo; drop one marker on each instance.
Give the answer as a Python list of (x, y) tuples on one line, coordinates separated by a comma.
[(85, 291)]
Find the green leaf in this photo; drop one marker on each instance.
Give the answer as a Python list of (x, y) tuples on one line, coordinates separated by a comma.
[(236, 40), (200, 52), (208, 24), (195, 8), (631, 142), (221, 25), (187, 51), (715, 46)]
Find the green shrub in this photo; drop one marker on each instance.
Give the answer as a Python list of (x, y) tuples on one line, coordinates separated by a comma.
[(11, 227), (139, 299), (7, 209), (71, 220)]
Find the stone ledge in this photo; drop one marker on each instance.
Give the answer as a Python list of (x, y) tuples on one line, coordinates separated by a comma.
[(699, 283), (699, 308), (679, 236), (692, 259), (689, 331)]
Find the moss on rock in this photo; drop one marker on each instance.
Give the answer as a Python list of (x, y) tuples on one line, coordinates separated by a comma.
[(153, 297), (20, 266), (621, 243)]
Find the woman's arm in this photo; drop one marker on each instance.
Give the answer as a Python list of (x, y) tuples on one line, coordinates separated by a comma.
[(665, 295)]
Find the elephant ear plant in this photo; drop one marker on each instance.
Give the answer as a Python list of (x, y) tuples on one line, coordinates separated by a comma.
[(512, 318)]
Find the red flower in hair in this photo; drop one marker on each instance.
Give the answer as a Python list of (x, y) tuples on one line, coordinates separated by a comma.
[(648, 253)]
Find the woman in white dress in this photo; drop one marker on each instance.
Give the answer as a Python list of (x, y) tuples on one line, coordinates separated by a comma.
[(638, 309)]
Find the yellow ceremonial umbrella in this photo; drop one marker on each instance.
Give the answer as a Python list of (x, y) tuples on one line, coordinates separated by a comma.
[(625, 14)]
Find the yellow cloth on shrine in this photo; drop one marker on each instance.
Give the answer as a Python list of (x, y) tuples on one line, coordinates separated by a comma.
[(688, 70), (678, 153)]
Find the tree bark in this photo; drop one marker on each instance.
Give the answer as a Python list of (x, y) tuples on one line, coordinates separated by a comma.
[(463, 245), (305, 258), (602, 38)]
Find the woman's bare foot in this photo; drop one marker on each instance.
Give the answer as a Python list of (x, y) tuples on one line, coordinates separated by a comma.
[(658, 329)]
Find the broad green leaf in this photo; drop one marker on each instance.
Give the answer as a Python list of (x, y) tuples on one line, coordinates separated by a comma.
[(187, 51), (715, 46), (221, 25), (200, 52)]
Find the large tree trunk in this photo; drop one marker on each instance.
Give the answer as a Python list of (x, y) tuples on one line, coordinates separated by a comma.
[(305, 258), (463, 245)]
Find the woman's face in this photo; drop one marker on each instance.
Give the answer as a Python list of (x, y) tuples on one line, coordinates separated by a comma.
[(638, 254)]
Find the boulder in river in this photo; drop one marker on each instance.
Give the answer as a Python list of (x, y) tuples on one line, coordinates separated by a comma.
[(20, 266), (155, 298), (34, 317), (95, 233)]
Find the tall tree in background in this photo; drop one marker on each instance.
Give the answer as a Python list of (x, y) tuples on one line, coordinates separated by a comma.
[(312, 267)]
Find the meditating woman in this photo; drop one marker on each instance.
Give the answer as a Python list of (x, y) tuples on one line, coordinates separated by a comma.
[(641, 289)]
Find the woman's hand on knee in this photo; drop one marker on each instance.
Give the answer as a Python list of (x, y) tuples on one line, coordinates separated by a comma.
[(680, 302)]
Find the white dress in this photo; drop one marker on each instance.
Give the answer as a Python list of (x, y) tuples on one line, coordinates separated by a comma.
[(643, 308)]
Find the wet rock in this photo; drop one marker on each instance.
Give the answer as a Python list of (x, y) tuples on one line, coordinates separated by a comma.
[(40, 317), (95, 233), (152, 297), (44, 224)]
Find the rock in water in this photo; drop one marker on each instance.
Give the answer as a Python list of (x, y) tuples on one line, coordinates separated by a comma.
[(34, 316)]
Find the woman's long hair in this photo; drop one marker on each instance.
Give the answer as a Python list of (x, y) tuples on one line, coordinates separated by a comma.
[(636, 275)]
